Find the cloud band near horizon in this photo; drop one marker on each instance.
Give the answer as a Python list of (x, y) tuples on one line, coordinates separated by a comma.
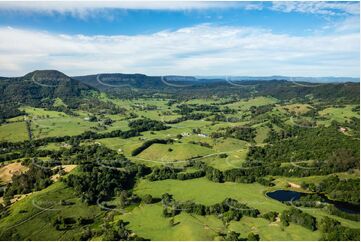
[(201, 49)]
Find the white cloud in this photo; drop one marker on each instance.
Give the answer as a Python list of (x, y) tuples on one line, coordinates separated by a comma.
[(198, 50), (317, 7), (89, 9), (64, 5), (350, 24), (86, 9)]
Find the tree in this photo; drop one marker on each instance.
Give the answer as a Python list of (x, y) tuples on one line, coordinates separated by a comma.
[(123, 198), (232, 236), (253, 237), (147, 199), (86, 234)]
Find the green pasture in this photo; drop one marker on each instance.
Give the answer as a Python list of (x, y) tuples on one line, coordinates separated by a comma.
[(173, 152), (341, 114), (273, 230), (13, 132), (297, 108), (147, 221), (247, 103), (207, 192), (32, 217)]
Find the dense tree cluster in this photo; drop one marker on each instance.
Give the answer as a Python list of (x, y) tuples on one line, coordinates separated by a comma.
[(354, 125), (333, 230), (167, 172), (101, 182), (258, 110), (309, 200), (346, 190), (204, 144), (185, 109), (119, 231), (332, 92), (66, 223), (24, 90), (103, 173), (163, 173), (271, 216), (189, 116), (9, 110), (237, 132), (299, 144), (331, 209), (146, 125), (229, 210), (26, 148), (35, 179), (296, 216), (234, 236)]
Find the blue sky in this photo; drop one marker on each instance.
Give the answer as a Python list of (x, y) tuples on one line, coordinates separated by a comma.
[(185, 38), (144, 21)]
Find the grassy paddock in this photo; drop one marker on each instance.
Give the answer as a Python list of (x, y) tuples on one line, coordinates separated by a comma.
[(32, 217), (13, 132), (206, 192)]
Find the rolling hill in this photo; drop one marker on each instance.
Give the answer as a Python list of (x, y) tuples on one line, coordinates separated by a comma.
[(39, 88)]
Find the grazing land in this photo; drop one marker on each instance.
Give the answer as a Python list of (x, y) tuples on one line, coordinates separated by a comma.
[(179, 164)]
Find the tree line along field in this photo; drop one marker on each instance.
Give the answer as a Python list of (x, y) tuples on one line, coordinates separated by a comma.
[(200, 151)]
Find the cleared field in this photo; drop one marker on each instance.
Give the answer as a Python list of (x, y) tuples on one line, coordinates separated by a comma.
[(229, 144), (233, 160), (41, 112), (297, 108), (13, 132), (32, 216), (15, 119), (125, 146), (45, 123), (273, 231), (262, 134), (138, 104), (60, 127), (338, 114), (206, 192), (7, 171), (147, 221), (258, 101), (66, 169), (173, 152), (117, 124)]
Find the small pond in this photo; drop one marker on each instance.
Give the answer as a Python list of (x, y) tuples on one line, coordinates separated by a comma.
[(289, 196)]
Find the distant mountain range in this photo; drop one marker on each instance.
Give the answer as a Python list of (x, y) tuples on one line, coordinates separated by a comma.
[(111, 80), (287, 78), (138, 79), (41, 85)]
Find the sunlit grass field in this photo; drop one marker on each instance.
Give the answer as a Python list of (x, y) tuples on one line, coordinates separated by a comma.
[(147, 221), (13, 132), (33, 216)]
